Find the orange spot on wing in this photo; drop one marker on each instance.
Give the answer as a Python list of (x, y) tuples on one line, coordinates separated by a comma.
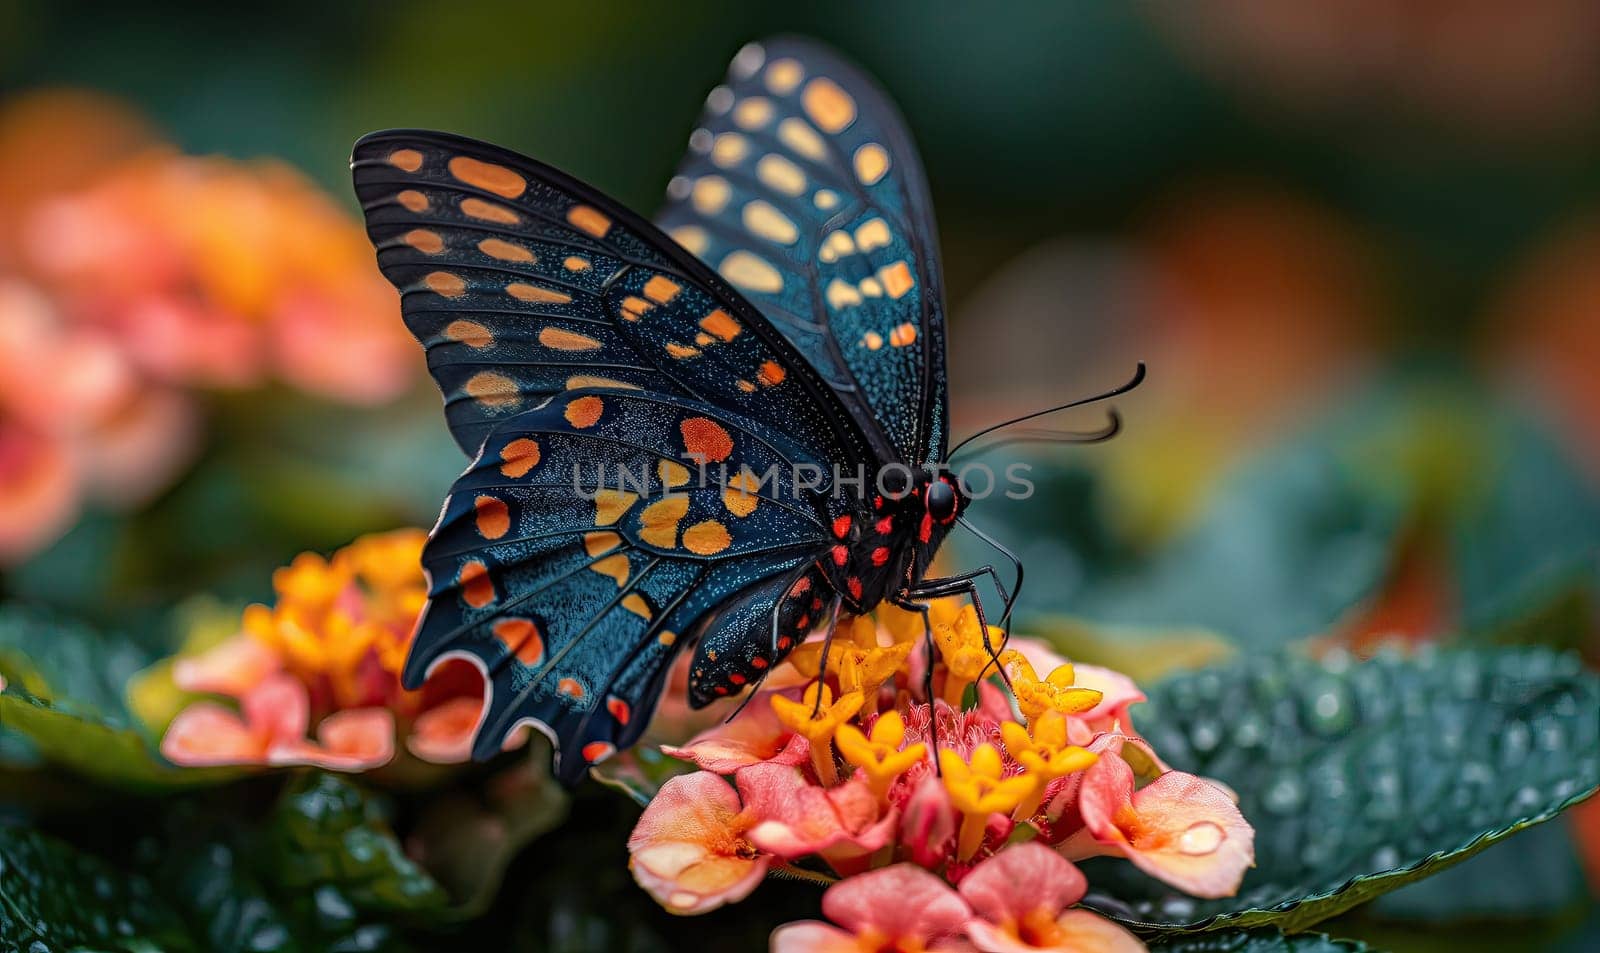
[(425, 241), (903, 335), (598, 751), (661, 289), (705, 439), (492, 515), (771, 374), (572, 688), (739, 496), (444, 283), (493, 390), (488, 176), (586, 219), (896, 279), (721, 324), (504, 250), (609, 505), (477, 589), (518, 457), (619, 709), (707, 538), (409, 160), (577, 381), (563, 340), (523, 291), (672, 473), (682, 351), (830, 107), (470, 333), (585, 411), (634, 307), (522, 638), (616, 566), (658, 524), (489, 212), (574, 263), (412, 200), (602, 542), (636, 604)]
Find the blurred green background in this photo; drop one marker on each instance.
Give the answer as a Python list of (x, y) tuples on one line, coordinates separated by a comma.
[(1358, 246)]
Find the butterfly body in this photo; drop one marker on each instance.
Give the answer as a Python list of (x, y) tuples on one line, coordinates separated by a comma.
[(715, 431)]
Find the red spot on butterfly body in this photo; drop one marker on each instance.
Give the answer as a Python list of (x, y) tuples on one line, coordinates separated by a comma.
[(841, 555), (855, 587), (841, 527), (736, 678), (925, 532), (759, 662), (885, 526), (880, 555)]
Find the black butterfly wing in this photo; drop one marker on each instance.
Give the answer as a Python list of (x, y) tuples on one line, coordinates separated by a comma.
[(572, 596), (803, 188), (522, 282), (566, 332)]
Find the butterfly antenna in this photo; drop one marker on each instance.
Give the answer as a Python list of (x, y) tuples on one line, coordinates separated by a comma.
[(1058, 437), (1135, 381)]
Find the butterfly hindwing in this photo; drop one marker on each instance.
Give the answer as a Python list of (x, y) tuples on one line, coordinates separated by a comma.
[(572, 596), (802, 187)]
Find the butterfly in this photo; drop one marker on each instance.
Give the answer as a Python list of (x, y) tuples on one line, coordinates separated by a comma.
[(712, 433)]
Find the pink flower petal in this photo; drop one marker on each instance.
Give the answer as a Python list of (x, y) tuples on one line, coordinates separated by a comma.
[(902, 903), (1075, 931), (232, 667), (688, 849), (1178, 828), (755, 736), (812, 936), (1023, 882), (206, 734), (443, 734), (928, 823), (793, 817), (278, 708)]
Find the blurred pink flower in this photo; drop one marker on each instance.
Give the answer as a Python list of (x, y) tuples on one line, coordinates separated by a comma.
[(755, 736), (270, 728)]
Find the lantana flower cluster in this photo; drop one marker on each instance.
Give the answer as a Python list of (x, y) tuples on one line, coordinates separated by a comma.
[(315, 678), (132, 276), (948, 822)]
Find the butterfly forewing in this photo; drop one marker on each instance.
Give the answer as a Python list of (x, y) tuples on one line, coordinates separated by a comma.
[(802, 188)]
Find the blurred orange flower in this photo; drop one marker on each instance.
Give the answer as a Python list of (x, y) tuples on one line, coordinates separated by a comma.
[(337, 636), (129, 272)]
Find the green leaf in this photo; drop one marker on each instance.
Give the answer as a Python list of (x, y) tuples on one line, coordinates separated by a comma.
[(1535, 876), (467, 837), (1362, 777), (52, 897), (322, 872), (326, 833), (1264, 940), (1527, 544), (97, 745), (64, 696)]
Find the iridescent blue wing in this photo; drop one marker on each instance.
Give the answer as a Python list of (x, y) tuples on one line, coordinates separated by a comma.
[(803, 188), (565, 331)]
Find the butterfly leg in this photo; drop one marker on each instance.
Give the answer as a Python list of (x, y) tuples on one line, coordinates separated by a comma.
[(966, 584), (827, 643), (927, 675)]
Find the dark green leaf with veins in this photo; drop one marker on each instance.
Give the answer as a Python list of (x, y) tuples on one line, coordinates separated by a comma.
[(1361, 777)]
